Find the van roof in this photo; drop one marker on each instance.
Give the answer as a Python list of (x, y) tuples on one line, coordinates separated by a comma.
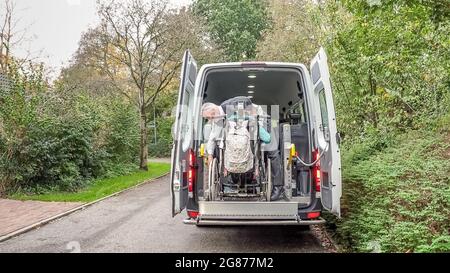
[(253, 64)]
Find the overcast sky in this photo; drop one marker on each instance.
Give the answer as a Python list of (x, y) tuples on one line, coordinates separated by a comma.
[(55, 27)]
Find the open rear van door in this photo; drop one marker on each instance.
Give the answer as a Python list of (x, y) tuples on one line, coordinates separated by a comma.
[(183, 134), (326, 134)]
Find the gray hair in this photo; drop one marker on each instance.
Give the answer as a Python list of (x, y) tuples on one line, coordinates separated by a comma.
[(209, 106)]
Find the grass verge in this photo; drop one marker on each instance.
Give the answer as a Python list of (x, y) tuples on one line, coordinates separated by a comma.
[(101, 187)]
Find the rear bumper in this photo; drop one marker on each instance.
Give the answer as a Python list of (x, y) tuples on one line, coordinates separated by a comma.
[(216, 222)]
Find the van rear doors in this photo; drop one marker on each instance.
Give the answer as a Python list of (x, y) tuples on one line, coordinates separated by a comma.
[(326, 135), (183, 135)]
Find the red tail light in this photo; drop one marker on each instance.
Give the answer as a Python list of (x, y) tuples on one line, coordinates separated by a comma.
[(191, 171), (191, 180), (316, 171), (191, 158), (313, 215), (192, 214)]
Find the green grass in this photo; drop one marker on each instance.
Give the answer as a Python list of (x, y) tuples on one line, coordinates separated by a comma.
[(101, 187), (397, 197)]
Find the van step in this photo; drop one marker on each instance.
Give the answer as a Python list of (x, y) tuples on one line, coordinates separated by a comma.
[(248, 210)]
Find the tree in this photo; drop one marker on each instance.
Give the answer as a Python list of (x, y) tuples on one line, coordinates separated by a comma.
[(235, 25), (139, 45), (295, 34), (11, 37), (388, 59), (6, 35), (392, 57)]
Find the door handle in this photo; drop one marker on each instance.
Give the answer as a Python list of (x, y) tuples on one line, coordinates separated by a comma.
[(326, 132)]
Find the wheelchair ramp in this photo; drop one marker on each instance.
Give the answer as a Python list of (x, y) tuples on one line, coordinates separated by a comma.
[(248, 210)]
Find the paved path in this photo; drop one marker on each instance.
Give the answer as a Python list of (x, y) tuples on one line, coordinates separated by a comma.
[(140, 221), (15, 214), (160, 160)]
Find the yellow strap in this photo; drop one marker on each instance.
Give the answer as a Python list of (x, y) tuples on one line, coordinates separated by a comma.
[(202, 150), (291, 154), (292, 150)]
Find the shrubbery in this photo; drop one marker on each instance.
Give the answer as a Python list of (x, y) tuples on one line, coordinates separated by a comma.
[(389, 66), (53, 141), (163, 145), (396, 193), (389, 61)]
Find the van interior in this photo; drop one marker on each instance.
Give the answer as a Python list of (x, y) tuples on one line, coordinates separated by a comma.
[(280, 93)]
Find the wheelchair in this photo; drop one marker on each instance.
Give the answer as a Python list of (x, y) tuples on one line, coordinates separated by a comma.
[(255, 185)]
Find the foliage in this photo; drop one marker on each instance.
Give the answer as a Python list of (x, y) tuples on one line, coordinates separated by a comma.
[(138, 45), (397, 196), (165, 107), (389, 64), (54, 141), (86, 125), (163, 145), (235, 25), (390, 72), (294, 35), (390, 75), (101, 187)]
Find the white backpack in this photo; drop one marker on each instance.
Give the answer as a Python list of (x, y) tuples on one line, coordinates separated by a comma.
[(238, 151)]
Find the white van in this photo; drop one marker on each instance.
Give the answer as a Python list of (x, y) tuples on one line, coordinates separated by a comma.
[(302, 128)]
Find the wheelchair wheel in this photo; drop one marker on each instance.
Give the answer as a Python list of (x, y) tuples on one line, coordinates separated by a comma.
[(269, 180), (214, 180)]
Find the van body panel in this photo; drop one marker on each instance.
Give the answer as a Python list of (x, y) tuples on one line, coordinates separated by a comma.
[(326, 135), (183, 134)]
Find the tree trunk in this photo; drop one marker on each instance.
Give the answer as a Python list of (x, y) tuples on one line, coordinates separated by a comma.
[(373, 93), (143, 149)]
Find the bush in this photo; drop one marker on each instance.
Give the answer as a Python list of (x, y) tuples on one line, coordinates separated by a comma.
[(54, 141), (163, 146), (395, 194)]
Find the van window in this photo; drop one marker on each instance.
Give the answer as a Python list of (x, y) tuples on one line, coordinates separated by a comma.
[(299, 108), (323, 108), (186, 128)]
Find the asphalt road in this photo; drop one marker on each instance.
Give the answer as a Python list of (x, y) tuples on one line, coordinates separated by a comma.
[(140, 221)]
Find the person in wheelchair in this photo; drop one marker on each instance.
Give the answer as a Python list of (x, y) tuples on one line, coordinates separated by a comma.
[(231, 120)]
